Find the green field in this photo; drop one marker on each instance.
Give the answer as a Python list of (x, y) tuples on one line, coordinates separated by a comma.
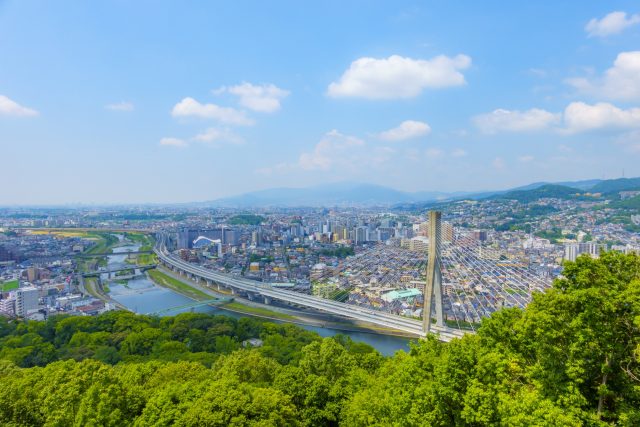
[(169, 282), (9, 286), (236, 306), (104, 244), (141, 238)]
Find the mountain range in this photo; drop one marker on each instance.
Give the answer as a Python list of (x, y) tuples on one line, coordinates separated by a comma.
[(359, 194)]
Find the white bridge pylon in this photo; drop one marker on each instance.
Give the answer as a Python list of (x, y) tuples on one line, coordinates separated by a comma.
[(433, 285)]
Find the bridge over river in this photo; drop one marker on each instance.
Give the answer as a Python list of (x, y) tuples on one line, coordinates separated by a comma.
[(474, 278)]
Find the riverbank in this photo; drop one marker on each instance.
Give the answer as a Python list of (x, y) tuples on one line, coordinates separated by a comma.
[(90, 286), (269, 312)]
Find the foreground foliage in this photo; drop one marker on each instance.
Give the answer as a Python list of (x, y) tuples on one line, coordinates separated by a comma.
[(571, 358)]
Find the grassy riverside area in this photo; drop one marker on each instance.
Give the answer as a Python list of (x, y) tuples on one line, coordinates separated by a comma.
[(9, 285), (239, 307), (104, 245), (146, 242), (167, 281), (258, 311), (92, 288), (141, 238), (179, 286)]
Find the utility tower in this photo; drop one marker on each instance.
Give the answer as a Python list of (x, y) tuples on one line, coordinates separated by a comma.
[(433, 285)]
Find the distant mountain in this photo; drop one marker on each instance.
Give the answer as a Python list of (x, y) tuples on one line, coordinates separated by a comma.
[(340, 194), (615, 185), (580, 185), (545, 191), (358, 194)]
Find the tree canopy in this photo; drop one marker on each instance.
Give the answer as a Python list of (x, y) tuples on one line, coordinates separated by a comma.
[(572, 357)]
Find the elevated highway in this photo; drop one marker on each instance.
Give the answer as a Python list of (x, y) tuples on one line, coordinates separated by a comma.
[(387, 320)]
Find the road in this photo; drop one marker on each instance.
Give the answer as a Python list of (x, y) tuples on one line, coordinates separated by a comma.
[(250, 287)]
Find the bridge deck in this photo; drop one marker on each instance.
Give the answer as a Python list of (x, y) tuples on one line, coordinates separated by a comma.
[(404, 324)]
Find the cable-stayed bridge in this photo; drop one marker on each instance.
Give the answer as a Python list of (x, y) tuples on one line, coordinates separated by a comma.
[(464, 281)]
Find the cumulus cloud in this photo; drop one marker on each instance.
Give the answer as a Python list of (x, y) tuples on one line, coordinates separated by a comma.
[(576, 117), (406, 130), (120, 106), (458, 152), (398, 77), (173, 142), (334, 149), (581, 117), (263, 98), (622, 81), (613, 23), (515, 121), (189, 107), (9, 107), (526, 158), (214, 136)]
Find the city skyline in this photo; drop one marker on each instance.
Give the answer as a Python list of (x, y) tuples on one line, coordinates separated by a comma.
[(163, 103)]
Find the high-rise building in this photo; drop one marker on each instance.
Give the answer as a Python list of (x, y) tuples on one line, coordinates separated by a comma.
[(26, 300), (361, 235), (423, 229), (480, 235), (256, 238), (573, 250), (8, 306)]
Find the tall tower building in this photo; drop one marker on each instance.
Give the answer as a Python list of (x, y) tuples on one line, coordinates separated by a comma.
[(26, 300)]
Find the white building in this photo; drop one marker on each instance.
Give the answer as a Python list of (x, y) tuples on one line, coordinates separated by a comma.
[(26, 300), (8, 306), (573, 250)]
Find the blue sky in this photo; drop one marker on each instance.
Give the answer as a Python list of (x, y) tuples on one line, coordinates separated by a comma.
[(120, 101)]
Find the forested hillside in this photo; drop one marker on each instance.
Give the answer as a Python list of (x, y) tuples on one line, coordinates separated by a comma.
[(571, 358)]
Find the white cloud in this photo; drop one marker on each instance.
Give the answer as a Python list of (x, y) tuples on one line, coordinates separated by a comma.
[(173, 142), (580, 117), (577, 117), (264, 98), (515, 121), (407, 130), (189, 107), (213, 136), (498, 163), (458, 152), (120, 106), (613, 23), (526, 159), (398, 77), (622, 81), (9, 107), (334, 149)]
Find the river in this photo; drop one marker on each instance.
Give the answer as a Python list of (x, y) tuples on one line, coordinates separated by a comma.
[(143, 296)]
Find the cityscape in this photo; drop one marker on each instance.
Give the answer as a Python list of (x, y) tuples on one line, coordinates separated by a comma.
[(410, 213), (496, 250)]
